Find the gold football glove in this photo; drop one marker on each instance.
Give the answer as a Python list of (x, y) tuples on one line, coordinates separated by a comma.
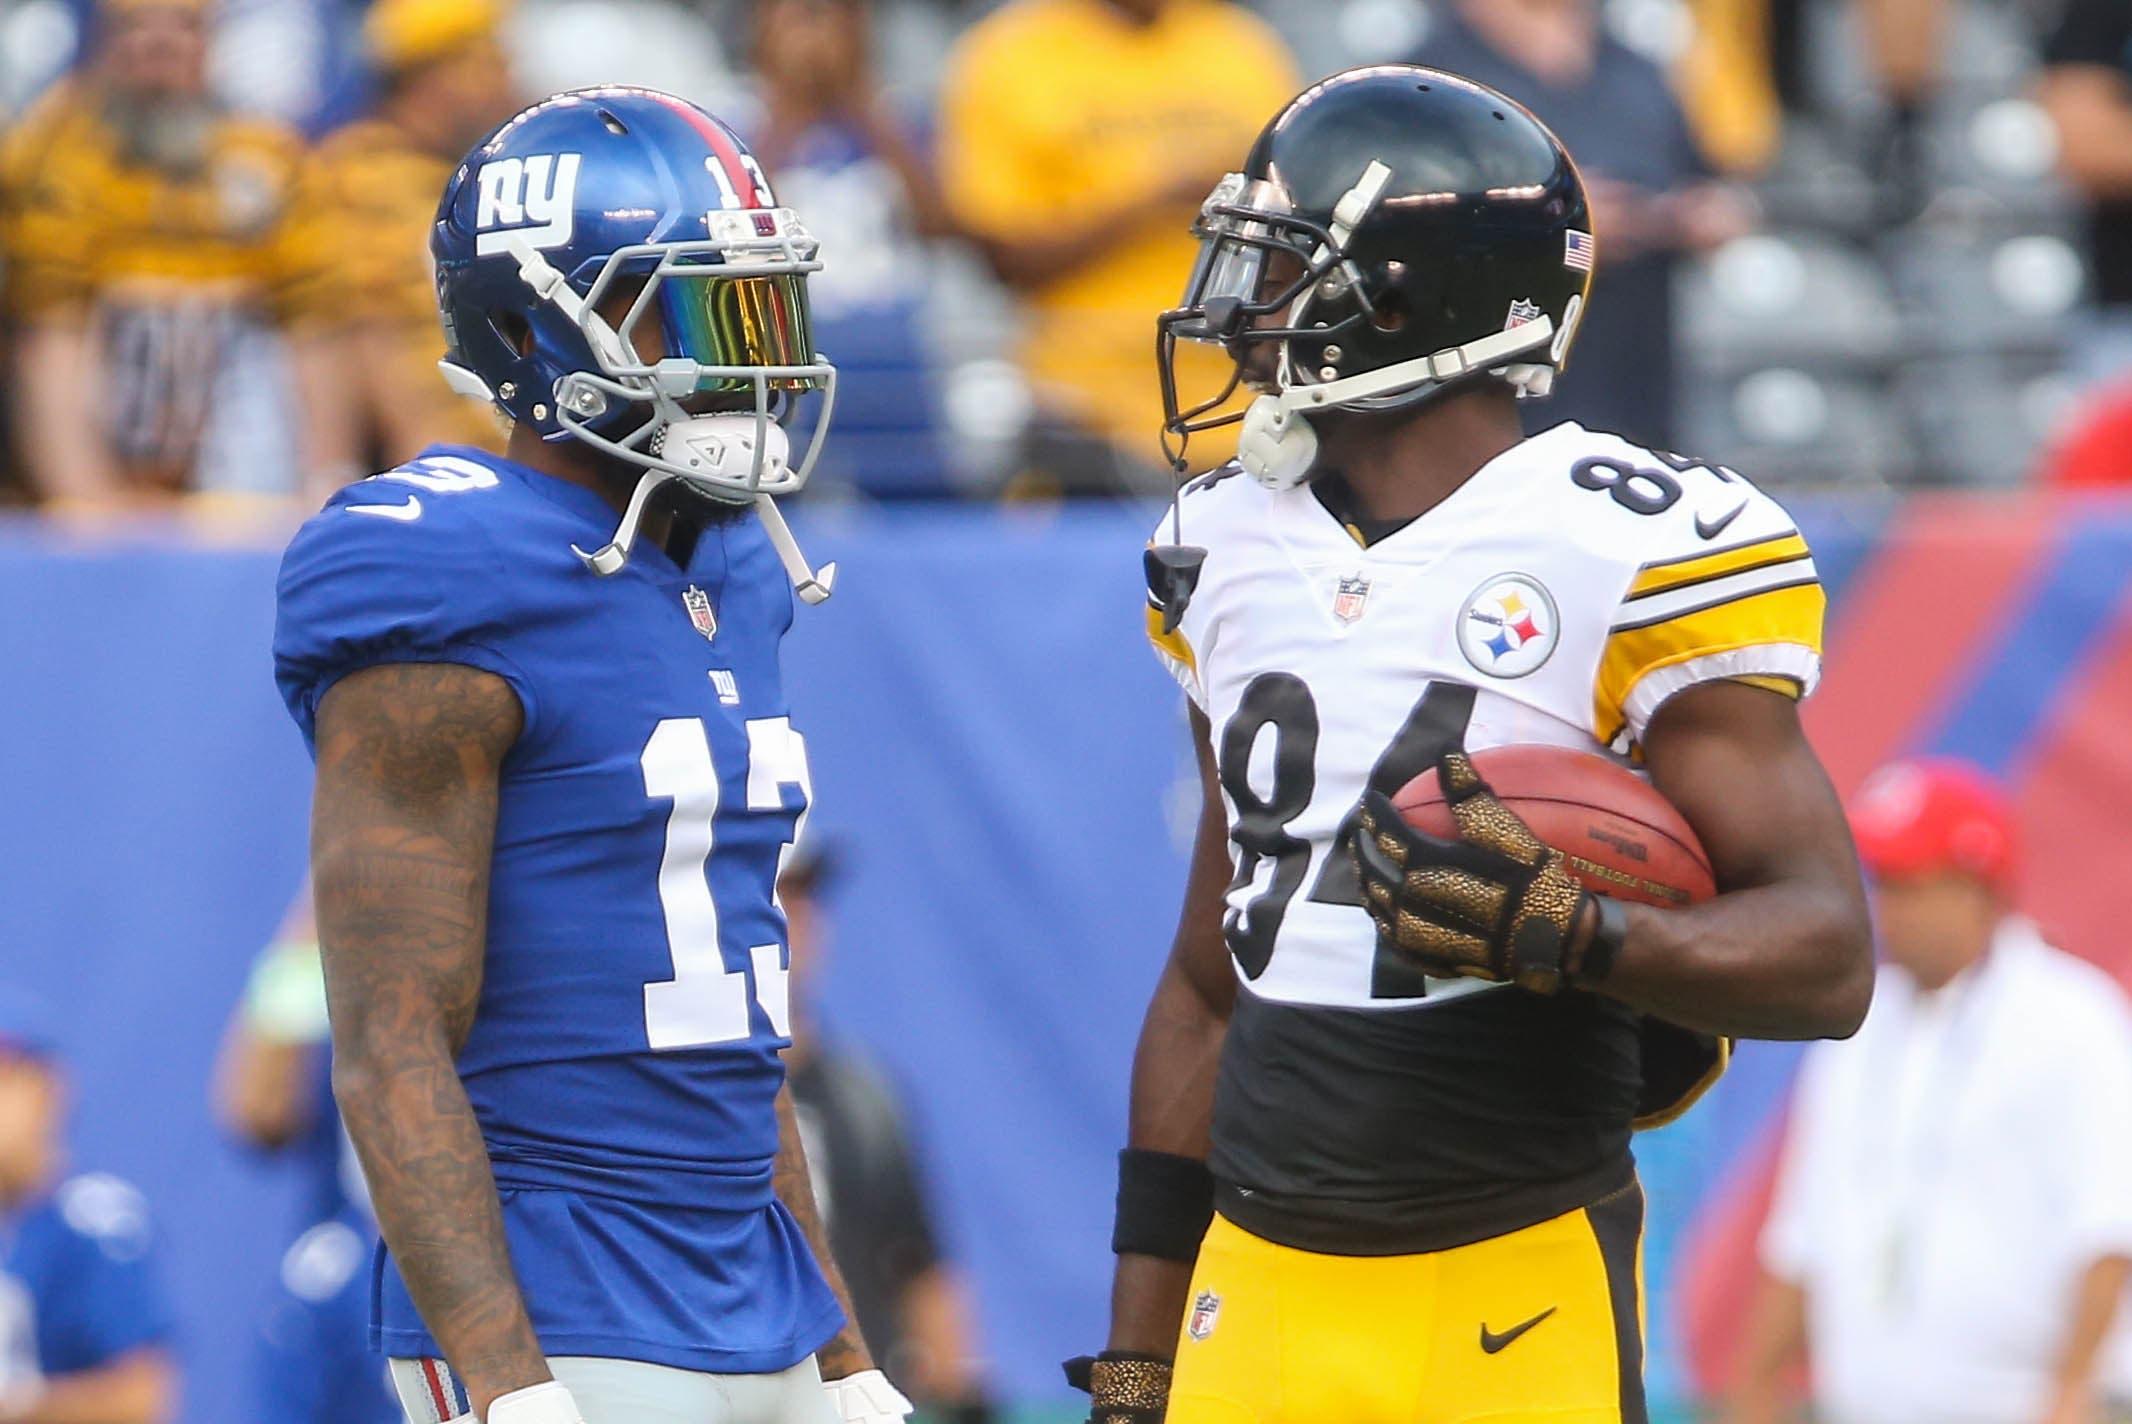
[(1495, 903), (1123, 1387)]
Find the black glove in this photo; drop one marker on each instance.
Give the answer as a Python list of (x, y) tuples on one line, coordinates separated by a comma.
[(1495, 903), (1126, 1388)]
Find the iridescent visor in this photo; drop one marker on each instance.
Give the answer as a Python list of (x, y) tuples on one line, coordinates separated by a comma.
[(729, 321)]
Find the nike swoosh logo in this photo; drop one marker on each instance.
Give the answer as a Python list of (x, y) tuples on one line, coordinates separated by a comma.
[(403, 512), (1711, 528), (1492, 1343)]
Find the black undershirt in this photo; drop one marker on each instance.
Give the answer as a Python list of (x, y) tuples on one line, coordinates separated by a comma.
[(1340, 501)]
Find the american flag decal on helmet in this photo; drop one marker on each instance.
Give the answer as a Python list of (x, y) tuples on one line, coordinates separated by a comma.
[(1577, 249)]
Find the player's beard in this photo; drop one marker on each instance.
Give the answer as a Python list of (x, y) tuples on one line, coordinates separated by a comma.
[(690, 505)]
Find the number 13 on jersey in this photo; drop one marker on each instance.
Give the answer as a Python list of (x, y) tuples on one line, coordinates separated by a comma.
[(706, 1003)]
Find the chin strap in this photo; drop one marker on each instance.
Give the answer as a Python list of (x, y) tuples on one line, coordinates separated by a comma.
[(607, 560), (812, 585), (1277, 446)]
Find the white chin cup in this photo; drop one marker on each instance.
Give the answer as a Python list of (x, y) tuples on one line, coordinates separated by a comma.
[(718, 455), (545, 1403), (1276, 447)]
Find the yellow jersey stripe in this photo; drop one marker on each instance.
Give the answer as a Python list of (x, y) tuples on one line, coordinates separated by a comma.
[(1677, 604), (1171, 644), (1789, 613), (1698, 568)]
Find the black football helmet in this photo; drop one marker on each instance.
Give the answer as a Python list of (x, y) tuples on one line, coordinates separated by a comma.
[(1395, 233)]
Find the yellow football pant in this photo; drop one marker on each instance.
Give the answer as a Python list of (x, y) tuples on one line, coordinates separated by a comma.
[(1541, 1324)]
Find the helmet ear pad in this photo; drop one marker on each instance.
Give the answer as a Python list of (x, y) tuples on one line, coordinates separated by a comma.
[(561, 353)]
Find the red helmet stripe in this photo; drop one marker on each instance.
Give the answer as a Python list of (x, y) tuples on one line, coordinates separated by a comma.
[(722, 145)]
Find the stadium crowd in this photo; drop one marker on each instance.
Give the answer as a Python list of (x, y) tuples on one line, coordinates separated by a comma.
[(1839, 238)]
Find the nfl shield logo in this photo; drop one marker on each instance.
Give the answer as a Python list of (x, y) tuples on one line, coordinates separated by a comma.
[(1205, 1310), (1352, 595), (698, 604), (1521, 312)]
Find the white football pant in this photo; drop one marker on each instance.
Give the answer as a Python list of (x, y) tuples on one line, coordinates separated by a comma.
[(634, 1392)]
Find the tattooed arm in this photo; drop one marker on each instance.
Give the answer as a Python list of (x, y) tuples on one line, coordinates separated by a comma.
[(403, 823), (847, 1354)]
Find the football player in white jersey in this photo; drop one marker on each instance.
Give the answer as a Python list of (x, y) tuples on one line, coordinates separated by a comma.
[(1379, 1166)]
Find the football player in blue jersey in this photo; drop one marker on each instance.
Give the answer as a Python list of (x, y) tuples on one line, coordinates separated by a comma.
[(85, 1331), (555, 778)]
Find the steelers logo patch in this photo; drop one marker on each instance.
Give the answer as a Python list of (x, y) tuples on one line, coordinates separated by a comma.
[(1508, 626)]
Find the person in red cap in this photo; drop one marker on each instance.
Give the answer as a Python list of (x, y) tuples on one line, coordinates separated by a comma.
[(1952, 1227), (1937, 838)]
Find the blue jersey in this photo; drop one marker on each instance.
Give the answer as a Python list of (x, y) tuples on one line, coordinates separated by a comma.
[(624, 1056), (78, 1281)]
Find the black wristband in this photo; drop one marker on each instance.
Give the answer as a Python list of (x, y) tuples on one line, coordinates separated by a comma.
[(1609, 932), (1122, 1383), (1165, 1203)]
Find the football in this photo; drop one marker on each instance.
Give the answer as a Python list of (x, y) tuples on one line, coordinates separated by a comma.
[(1622, 838)]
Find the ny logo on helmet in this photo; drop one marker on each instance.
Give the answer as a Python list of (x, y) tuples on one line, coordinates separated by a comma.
[(530, 198)]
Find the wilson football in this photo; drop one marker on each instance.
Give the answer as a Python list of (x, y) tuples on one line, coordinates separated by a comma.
[(1622, 838)]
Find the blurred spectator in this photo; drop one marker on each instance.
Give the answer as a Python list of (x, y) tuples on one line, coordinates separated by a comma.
[(672, 45), (443, 83), (272, 1092), (84, 1331), (843, 161), (1651, 192), (909, 1301), (1079, 138), (1728, 84), (147, 233), (1951, 1233), (1905, 44), (2086, 88)]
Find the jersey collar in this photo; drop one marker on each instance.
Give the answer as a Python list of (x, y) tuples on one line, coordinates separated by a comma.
[(1332, 494)]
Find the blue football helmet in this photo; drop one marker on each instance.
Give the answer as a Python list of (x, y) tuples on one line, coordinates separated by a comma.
[(630, 201)]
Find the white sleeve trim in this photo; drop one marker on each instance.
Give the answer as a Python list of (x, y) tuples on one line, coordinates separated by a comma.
[(1649, 693), (1643, 610)]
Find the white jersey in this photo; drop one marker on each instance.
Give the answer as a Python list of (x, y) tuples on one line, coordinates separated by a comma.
[(1559, 597)]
